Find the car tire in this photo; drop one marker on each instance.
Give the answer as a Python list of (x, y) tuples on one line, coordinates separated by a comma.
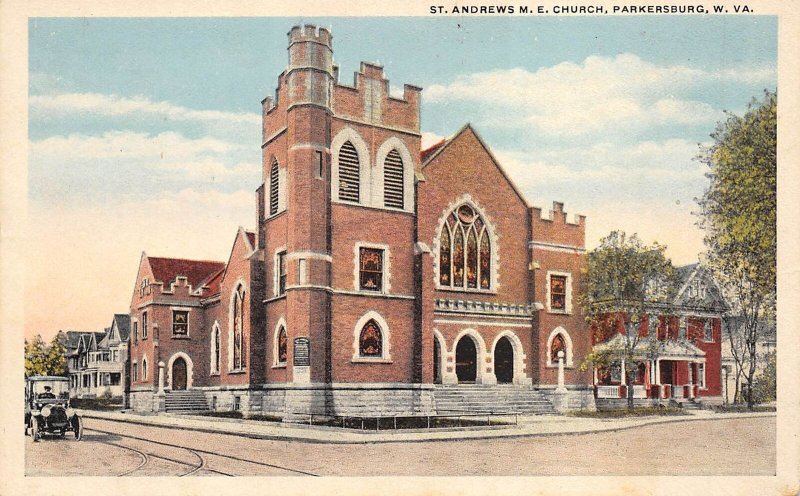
[(77, 427), (34, 430)]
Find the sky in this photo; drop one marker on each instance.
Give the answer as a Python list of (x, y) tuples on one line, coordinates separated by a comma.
[(144, 134)]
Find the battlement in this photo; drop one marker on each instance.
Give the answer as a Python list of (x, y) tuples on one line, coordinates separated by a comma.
[(555, 226), (309, 32)]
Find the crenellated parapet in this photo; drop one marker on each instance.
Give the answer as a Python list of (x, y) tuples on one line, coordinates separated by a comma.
[(555, 227)]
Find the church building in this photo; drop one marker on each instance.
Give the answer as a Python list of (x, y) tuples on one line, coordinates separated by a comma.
[(380, 278)]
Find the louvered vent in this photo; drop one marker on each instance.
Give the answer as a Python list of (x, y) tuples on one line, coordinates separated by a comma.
[(349, 173), (393, 180), (274, 186)]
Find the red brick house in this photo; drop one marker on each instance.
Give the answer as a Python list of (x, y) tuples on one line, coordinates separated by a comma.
[(679, 353), (380, 278)]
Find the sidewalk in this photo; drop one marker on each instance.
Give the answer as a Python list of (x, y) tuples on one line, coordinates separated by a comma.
[(540, 425)]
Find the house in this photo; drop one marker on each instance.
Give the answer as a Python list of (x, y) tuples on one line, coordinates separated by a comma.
[(96, 360), (678, 353)]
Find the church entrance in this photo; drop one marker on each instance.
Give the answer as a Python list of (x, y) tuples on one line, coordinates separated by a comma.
[(466, 360), (179, 374), (504, 361), (437, 362)]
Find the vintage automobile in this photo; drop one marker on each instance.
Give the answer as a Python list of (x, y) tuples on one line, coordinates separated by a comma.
[(47, 409)]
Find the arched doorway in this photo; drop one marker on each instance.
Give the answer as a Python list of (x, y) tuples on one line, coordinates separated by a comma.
[(504, 361), (179, 374), (437, 362), (466, 360)]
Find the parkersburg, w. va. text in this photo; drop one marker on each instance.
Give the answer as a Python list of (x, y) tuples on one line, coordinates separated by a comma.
[(556, 9)]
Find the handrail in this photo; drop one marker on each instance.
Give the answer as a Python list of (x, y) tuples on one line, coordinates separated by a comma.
[(457, 414)]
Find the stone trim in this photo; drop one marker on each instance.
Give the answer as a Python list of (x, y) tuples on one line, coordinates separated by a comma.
[(386, 343), (477, 307), (567, 298), (189, 369), (557, 247), (390, 144), (365, 168), (568, 356), (488, 323), (386, 283)]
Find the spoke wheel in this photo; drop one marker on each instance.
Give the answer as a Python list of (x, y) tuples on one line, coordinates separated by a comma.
[(77, 427)]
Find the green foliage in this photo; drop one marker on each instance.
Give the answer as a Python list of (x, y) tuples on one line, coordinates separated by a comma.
[(765, 385), (41, 359)]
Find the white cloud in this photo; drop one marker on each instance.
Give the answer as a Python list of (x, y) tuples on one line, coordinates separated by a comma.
[(602, 94), (429, 139), (114, 105)]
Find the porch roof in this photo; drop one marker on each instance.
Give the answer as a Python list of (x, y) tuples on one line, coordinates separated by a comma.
[(676, 349)]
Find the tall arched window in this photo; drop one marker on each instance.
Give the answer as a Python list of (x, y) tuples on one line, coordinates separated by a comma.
[(349, 173), (282, 345), (370, 342), (557, 345), (274, 187), (238, 322), (393, 188), (465, 251), (215, 349)]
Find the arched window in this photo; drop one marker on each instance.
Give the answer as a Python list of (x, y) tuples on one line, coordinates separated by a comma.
[(274, 187), (370, 342), (465, 251), (238, 321), (557, 345), (393, 188), (215, 349), (349, 173), (144, 368), (282, 345)]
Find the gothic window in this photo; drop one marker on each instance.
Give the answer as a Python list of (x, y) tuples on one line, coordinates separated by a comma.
[(135, 331), (274, 187), (370, 342), (144, 368), (180, 322), (215, 350), (371, 269), (558, 292), (134, 371), (557, 345), (465, 251), (281, 273), (393, 180), (349, 173), (144, 325), (238, 321), (282, 345)]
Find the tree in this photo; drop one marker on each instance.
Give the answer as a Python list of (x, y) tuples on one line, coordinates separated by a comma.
[(738, 214), (623, 280), (41, 359)]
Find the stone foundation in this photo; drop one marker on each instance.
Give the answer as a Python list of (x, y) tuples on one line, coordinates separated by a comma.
[(141, 401), (578, 397)]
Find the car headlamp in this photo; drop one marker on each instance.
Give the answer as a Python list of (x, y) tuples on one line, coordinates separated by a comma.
[(46, 411), (70, 412)]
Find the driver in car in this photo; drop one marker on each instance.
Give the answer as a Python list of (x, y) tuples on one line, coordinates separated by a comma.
[(48, 394)]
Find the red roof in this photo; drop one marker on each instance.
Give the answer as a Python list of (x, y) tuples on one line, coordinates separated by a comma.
[(212, 283), (425, 154), (165, 270), (252, 237)]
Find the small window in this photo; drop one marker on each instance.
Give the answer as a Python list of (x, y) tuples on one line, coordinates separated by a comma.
[(274, 187), (134, 372), (682, 328), (370, 341), (558, 292), (135, 332), (144, 369), (557, 345), (371, 269), (180, 322), (281, 273), (708, 331), (320, 164), (237, 403), (282, 345), (701, 375), (144, 325)]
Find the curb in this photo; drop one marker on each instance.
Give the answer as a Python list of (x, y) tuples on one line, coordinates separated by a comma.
[(328, 436)]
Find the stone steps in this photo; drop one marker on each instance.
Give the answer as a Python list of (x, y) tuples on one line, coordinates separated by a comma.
[(491, 398), (185, 401)]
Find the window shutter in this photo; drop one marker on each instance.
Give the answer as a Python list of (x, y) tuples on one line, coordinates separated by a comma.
[(349, 173), (393, 180), (274, 186)]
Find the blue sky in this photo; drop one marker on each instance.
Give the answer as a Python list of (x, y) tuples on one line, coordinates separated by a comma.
[(144, 133)]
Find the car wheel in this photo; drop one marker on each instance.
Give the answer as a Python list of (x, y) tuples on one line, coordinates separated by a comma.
[(34, 429), (77, 427)]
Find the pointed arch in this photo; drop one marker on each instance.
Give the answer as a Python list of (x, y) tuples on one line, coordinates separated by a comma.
[(370, 322), (519, 355), (215, 347), (396, 145), (568, 352), (189, 368), (359, 146), (236, 324), (280, 348)]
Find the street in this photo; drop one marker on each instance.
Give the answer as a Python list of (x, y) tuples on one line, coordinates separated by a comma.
[(707, 447)]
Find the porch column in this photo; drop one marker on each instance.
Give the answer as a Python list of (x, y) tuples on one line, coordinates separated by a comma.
[(160, 377), (561, 371), (594, 371), (690, 365), (622, 370)]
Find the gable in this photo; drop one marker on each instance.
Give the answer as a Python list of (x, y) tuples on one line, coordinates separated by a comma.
[(697, 289)]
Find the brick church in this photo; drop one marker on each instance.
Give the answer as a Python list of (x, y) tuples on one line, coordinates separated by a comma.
[(380, 278)]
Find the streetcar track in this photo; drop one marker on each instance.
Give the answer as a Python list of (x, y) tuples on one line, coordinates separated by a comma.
[(197, 452), (142, 454)]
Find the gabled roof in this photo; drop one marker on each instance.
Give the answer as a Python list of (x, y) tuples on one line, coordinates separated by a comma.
[(685, 277), (669, 348), (122, 321), (428, 152), (251, 236), (211, 285), (166, 270), (440, 147)]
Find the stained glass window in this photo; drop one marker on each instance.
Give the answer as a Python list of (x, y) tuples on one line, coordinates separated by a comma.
[(371, 340), (558, 292), (465, 251), (371, 269), (556, 346), (216, 350), (180, 322), (238, 321), (282, 341)]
